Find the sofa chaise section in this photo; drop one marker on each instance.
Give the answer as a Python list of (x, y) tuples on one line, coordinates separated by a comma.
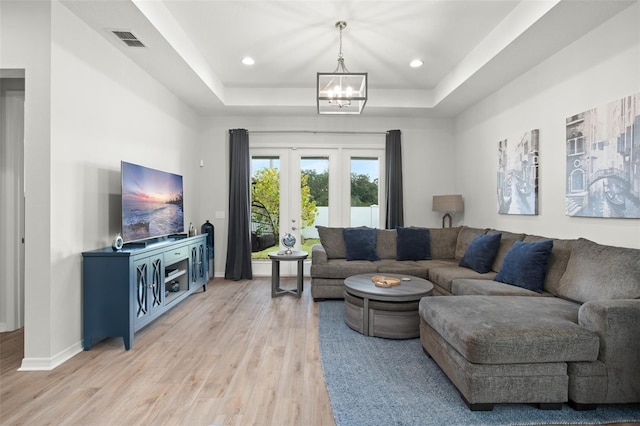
[(506, 349), (586, 323)]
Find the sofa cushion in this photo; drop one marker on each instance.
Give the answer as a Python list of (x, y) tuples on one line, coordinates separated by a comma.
[(443, 276), (443, 242), (511, 329), (597, 271), (386, 243), (481, 253), (407, 267), (557, 262), (413, 244), (472, 286), (465, 236), (332, 241), (525, 265), (342, 268), (360, 243)]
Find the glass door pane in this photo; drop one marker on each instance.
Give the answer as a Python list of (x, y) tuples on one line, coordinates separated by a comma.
[(265, 205), (314, 198), (365, 189)]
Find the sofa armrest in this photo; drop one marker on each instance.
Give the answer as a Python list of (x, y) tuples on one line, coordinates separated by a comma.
[(318, 255), (616, 322)]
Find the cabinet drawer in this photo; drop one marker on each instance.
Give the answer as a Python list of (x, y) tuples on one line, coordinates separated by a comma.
[(176, 255)]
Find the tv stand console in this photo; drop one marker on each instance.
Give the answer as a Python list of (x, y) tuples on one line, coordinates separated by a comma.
[(127, 289)]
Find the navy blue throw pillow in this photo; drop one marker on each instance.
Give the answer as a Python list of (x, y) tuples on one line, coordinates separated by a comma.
[(360, 243), (525, 265), (481, 253), (413, 244)]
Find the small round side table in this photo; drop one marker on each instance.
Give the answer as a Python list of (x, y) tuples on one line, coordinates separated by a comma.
[(276, 258)]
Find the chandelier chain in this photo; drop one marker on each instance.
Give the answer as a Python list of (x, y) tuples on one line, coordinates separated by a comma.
[(340, 25), (340, 53)]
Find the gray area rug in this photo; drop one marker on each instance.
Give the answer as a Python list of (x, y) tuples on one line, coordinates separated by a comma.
[(392, 382)]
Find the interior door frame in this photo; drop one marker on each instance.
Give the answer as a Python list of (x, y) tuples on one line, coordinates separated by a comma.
[(12, 197)]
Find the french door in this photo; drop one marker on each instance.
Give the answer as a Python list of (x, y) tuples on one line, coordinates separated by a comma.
[(314, 187)]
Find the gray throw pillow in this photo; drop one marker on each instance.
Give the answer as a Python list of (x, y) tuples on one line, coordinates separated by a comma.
[(332, 241)]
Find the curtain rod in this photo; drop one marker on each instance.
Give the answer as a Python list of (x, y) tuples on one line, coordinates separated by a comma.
[(318, 131)]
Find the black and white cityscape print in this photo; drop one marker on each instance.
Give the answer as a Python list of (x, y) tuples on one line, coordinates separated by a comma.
[(603, 161)]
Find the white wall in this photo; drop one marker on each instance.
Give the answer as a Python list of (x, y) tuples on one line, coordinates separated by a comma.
[(427, 155), (96, 109), (601, 67), (104, 109), (25, 30)]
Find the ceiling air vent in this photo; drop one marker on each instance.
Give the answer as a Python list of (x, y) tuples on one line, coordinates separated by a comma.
[(128, 38)]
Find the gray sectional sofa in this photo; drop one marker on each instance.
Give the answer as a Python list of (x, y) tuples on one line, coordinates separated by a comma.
[(576, 340)]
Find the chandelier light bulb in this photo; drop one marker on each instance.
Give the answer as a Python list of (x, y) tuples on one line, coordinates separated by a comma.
[(349, 91), (337, 90)]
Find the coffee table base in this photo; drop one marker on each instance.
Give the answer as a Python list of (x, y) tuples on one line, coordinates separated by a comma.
[(392, 320)]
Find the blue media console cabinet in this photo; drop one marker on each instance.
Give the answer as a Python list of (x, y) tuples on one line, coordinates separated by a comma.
[(125, 290)]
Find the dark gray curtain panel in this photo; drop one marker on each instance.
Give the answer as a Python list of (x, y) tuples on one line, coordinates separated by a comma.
[(393, 175), (238, 264)]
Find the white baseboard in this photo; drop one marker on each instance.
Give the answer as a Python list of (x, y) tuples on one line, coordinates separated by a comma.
[(46, 364)]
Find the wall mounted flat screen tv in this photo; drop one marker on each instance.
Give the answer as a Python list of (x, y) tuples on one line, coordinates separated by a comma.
[(151, 203)]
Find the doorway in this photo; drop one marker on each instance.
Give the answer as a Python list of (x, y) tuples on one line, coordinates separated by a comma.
[(299, 186), (12, 97)]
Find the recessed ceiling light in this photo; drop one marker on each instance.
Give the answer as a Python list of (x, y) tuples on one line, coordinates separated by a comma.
[(248, 61), (416, 63)]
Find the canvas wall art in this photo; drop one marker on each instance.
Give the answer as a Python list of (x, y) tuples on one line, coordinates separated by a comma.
[(603, 161), (518, 174)]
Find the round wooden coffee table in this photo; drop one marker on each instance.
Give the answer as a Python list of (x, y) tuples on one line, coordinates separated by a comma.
[(385, 312)]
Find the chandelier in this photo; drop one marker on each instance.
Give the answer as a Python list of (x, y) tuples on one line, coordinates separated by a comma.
[(341, 92)]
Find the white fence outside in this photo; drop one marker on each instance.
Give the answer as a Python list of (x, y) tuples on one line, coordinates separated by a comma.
[(360, 216)]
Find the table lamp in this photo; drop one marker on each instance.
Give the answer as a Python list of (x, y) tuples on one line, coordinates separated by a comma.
[(448, 204)]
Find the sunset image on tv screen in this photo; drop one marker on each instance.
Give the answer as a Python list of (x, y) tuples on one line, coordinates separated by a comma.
[(151, 203)]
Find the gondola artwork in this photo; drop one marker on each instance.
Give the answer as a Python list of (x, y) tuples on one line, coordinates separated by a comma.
[(517, 188), (603, 154)]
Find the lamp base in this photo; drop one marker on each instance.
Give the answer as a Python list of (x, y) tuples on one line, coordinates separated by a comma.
[(447, 215)]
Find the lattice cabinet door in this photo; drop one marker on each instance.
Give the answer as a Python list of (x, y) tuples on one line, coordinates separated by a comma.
[(199, 273), (156, 287), (142, 279), (149, 288)]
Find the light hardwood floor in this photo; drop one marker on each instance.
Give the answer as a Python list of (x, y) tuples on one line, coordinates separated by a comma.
[(229, 356)]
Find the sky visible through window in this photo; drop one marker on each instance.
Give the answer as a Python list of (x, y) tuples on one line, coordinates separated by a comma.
[(360, 166)]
